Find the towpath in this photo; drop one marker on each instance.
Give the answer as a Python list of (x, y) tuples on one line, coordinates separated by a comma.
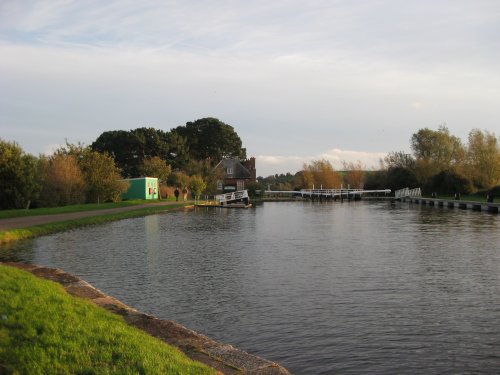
[(29, 221)]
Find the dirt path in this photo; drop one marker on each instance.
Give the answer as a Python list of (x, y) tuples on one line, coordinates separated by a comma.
[(29, 221)]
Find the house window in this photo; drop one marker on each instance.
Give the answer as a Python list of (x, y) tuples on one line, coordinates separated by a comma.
[(240, 185), (219, 185), (229, 170)]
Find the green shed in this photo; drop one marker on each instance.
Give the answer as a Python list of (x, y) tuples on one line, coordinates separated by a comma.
[(142, 188)]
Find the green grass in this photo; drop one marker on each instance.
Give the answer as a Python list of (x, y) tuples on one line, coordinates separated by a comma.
[(44, 330), (5, 214), (471, 198), (41, 230)]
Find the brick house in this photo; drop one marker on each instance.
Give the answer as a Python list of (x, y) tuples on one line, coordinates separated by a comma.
[(235, 174)]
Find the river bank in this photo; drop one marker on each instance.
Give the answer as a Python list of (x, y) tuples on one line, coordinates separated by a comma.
[(24, 227), (225, 358), (44, 329)]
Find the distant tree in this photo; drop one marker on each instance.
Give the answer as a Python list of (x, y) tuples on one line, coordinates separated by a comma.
[(376, 180), (197, 185), (156, 167), (212, 180), (103, 179), (19, 178), (204, 168), (320, 173), (131, 148), (255, 189), (200, 167), (436, 151), (354, 174), (210, 138), (448, 183), (123, 146), (177, 150), (298, 181), (399, 159), (178, 179), (150, 142), (399, 177), (63, 181), (483, 159)]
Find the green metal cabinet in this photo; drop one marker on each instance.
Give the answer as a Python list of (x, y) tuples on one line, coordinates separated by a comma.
[(142, 188)]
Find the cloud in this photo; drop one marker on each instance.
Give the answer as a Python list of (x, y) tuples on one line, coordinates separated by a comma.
[(293, 77), (416, 105), (272, 164)]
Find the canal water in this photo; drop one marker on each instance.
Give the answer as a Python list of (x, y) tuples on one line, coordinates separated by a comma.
[(321, 288)]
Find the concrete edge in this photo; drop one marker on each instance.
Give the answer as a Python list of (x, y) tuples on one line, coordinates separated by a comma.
[(223, 357)]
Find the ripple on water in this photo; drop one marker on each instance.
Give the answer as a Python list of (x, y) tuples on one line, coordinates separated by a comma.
[(321, 288)]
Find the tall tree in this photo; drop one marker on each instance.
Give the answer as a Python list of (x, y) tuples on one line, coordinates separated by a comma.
[(398, 177), (178, 179), (102, 177), (436, 151), (210, 138), (122, 146), (320, 173), (63, 181), (19, 180), (399, 159), (131, 148), (150, 142), (354, 174), (177, 150), (483, 159), (197, 185), (156, 167)]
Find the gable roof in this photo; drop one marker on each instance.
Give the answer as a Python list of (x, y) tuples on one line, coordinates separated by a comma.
[(239, 171)]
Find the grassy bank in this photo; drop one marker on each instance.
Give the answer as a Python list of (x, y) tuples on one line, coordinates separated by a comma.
[(470, 198), (40, 230), (6, 214), (45, 330)]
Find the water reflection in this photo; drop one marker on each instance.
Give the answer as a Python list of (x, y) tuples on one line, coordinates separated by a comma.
[(321, 288)]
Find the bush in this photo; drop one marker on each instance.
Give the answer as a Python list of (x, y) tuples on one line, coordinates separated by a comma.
[(376, 180), (448, 183), (253, 187), (495, 192), (399, 177), (18, 176)]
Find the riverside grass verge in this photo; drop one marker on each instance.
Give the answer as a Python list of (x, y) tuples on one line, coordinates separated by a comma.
[(7, 214), (44, 229), (45, 330), (468, 198)]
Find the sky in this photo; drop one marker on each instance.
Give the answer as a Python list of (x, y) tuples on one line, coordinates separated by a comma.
[(298, 80)]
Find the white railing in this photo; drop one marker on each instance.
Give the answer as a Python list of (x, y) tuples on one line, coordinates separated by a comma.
[(231, 197), (407, 193), (330, 192), (339, 192)]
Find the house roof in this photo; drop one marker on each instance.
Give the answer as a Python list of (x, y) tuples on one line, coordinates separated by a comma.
[(239, 171)]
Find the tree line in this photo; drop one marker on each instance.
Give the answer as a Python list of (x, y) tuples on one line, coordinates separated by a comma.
[(317, 174), (207, 139), (439, 163), (184, 156)]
